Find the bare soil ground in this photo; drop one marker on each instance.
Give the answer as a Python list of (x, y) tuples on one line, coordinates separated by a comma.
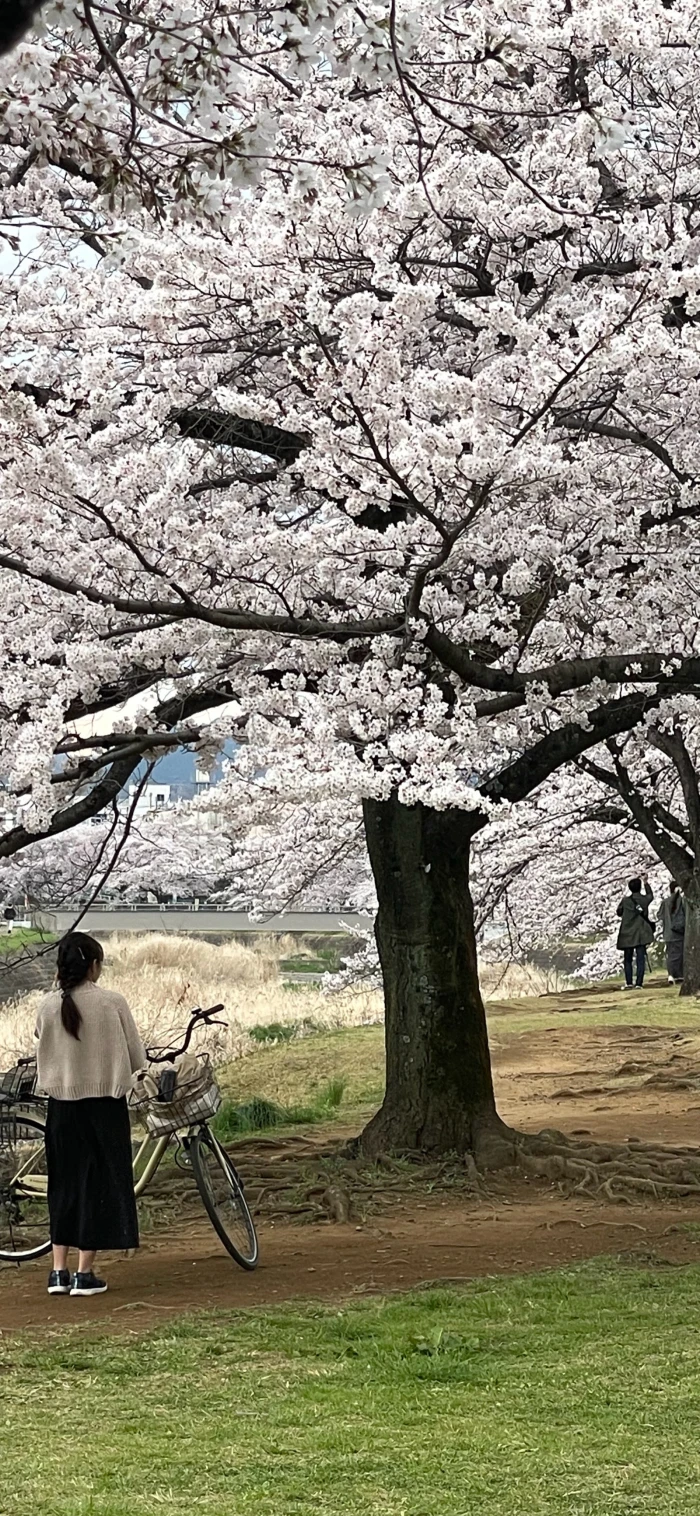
[(610, 1082), (606, 1080), (187, 1269)]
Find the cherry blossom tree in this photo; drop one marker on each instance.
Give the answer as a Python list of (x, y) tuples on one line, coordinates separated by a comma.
[(554, 869), (548, 870), (163, 108), (163, 857), (656, 785), (397, 471), (306, 857)]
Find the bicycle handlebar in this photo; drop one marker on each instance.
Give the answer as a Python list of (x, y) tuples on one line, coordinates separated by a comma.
[(198, 1018)]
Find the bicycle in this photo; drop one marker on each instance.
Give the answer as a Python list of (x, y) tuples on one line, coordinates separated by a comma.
[(184, 1116)]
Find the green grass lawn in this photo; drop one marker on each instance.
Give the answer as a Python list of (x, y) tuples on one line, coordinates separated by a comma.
[(564, 1394), (323, 961), (296, 1072), (658, 1004), (22, 937)]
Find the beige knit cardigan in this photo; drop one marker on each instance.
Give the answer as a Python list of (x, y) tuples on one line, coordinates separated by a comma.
[(107, 1053)]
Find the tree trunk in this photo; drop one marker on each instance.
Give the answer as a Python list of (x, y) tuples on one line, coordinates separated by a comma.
[(439, 1091), (691, 947)]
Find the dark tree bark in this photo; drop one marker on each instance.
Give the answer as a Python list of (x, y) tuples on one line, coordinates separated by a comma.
[(16, 17), (439, 1091), (691, 946)]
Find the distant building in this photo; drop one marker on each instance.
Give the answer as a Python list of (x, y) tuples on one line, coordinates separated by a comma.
[(178, 777), (189, 789), (153, 797)]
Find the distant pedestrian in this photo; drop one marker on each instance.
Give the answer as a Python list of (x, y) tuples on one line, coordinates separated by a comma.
[(672, 922), (636, 930)]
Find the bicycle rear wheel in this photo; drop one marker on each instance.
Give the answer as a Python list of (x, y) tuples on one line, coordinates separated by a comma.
[(223, 1198), (24, 1207)]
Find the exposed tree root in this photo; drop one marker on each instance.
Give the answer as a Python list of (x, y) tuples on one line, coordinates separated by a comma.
[(585, 1226), (611, 1171), (304, 1181), (337, 1203), (327, 1184), (315, 1185)]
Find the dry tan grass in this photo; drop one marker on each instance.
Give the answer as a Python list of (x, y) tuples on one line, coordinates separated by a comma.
[(515, 981), (17, 1018), (193, 957), (163, 976)]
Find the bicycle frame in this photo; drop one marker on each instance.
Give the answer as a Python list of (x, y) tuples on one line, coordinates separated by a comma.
[(36, 1183), (142, 1180), (149, 1151), (31, 1184)]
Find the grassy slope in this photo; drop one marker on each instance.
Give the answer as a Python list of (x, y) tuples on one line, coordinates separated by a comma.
[(11, 942), (658, 1004), (569, 1394), (291, 1073)]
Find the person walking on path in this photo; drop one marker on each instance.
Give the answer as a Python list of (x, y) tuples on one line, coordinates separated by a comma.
[(88, 1050), (636, 930), (672, 920)]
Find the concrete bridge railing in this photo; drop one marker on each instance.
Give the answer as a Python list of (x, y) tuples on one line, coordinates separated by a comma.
[(208, 919)]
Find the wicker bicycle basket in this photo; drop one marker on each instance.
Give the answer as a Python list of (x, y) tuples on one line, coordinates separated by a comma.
[(195, 1099), (18, 1082)]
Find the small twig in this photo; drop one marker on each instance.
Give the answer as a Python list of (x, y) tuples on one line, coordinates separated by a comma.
[(109, 58), (141, 1305)]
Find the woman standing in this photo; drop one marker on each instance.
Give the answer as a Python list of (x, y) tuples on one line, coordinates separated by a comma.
[(636, 930), (88, 1050), (672, 918)]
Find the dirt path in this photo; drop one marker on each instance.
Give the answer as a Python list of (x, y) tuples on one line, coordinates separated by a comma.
[(181, 1271), (612, 1082)]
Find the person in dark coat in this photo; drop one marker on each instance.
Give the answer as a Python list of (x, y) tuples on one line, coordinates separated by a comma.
[(636, 930), (672, 922)]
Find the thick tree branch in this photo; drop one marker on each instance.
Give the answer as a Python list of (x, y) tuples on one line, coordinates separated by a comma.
[(626, 434), (96, 800), (674, 747), (656, 809), (567, 743), (603, 267), (241, 621), (678, 860), (201, 423), (233, 431), (559, 678), (131, 748), (225, 481)]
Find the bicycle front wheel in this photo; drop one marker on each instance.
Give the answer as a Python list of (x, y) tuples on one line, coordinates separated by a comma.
[(24, 1206), (223, 1198)]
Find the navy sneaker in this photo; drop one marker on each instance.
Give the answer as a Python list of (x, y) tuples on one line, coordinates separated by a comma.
[(87, 1284), (59, 1282)]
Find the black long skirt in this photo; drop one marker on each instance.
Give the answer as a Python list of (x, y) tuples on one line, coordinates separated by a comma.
[(90, 1178)]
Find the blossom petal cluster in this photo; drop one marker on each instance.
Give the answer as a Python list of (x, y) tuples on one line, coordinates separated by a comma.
[(385, 456)]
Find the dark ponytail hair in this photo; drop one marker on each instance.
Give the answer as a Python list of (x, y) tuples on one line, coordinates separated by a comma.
[(76, 954)]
